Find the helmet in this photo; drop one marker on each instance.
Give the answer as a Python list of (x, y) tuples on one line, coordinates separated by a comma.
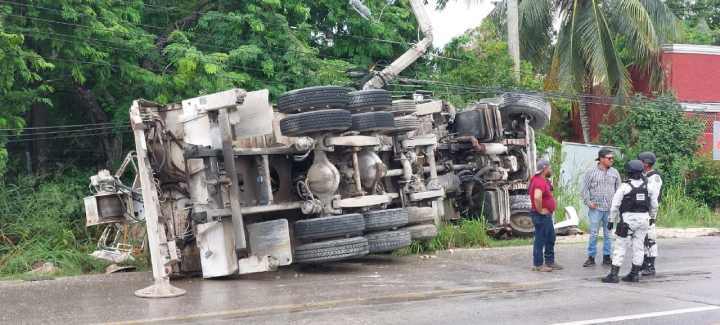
[(634, 167), (647, 157)]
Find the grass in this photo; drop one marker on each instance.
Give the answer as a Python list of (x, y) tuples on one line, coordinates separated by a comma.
[(42, 220), (679, 210), (467, 233)]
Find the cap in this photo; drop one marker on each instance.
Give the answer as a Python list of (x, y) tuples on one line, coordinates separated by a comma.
[(647, 157), (541, 165), (604, 152)]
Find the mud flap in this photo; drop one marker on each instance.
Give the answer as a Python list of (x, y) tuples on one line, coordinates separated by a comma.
[(269, 247), (217, 249)]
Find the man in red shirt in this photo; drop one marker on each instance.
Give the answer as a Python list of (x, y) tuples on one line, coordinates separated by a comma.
[(543, 206)]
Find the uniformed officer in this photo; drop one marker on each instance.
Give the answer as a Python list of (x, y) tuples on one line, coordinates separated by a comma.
[(632, 207), (654, 181)]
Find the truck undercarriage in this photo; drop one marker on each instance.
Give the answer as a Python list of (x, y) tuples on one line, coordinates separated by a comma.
[(228, 185)]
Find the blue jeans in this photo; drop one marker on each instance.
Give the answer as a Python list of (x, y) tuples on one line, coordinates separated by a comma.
[(544, 239), (597, 219)]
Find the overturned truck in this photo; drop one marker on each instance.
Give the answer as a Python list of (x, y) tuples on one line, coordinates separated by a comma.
[(226, 184)]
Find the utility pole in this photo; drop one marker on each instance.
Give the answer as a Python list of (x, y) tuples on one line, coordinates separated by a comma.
[(513, 28)]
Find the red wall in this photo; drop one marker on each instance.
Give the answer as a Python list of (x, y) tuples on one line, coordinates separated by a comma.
[(693, 77)]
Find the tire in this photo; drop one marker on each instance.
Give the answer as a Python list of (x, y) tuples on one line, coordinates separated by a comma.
[(331, 250), (405, 124), (329, 227), (533, 107), (520, 202), (369, 100), (420, 215), (373, 121), (422, 232), (330, 120), (520, 220), (387, 241), (403, 107), (385, 219), (313, 99), (521, 223)]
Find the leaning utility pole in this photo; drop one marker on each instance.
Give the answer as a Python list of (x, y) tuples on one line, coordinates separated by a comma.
[(514, 35), (391, 72)]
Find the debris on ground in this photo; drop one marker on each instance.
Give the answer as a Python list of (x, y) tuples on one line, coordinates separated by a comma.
[(44, 268)]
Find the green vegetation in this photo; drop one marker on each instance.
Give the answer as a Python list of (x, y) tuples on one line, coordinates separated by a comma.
[(690, 183), (678, 210), (466, 233), (41, 220), (83, 62)]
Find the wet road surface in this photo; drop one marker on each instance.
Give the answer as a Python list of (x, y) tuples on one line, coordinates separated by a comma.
[(463, 287)]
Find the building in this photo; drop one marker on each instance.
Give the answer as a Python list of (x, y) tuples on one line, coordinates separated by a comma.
[(692, 73)]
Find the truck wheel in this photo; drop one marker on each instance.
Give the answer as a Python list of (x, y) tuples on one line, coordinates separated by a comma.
[(520, 220), (532, 107), (329, 227), (388, 241), (385, 219), (313, 99), (405, 124), (329, 120), (369, 100), (420, 215), (372, 121), (331, 250), (422, 232), (403, 107), (520, 202)]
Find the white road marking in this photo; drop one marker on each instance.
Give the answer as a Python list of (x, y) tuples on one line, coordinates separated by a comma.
[(640, 316)]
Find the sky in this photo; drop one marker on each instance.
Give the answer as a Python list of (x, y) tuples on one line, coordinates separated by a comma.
[(457, 17)]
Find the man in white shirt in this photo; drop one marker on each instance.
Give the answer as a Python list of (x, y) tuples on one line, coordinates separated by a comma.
[(654, 181), (632, 207)]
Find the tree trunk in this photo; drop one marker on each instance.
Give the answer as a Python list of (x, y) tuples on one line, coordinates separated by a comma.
[(40, 150), (110, 144), (584, 120)]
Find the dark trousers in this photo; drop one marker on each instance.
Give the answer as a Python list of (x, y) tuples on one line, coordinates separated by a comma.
[(544, 239)]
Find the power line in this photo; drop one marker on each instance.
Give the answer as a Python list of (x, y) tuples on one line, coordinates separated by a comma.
[(587, 98), (73, 24), (62, 126), (78, 13), (64, 132), (67, 137)]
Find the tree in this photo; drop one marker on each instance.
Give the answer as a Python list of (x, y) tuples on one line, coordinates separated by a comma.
[(585, 55), (660, 126), (479, 58), (106, 53), (21, 85), (696, 11)]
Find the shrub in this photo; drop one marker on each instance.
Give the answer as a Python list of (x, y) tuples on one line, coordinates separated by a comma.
[(660, 126), (679, 210), (42, 220), (704, 181)]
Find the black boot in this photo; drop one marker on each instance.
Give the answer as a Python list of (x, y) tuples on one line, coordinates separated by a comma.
[(613, 276), (649, 269), (607, 260), (634, 275), (590, 261), (645, 263)]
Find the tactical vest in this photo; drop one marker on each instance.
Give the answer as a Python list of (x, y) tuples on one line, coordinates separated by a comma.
[(638, 200), (653, 173)]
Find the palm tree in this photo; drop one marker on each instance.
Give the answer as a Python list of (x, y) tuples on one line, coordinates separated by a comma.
[(593, 43)]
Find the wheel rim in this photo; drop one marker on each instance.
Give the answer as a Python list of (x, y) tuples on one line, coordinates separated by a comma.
[(521, 222)]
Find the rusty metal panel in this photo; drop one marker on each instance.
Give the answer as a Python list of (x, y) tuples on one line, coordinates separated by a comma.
[(92, 217), (254, 117)]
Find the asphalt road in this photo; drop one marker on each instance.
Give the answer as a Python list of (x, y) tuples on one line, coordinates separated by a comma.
[(463, 287)]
